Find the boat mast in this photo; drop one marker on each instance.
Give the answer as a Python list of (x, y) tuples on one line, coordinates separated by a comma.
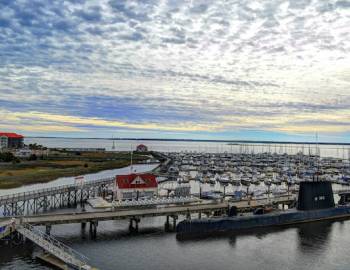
[(131, 153)]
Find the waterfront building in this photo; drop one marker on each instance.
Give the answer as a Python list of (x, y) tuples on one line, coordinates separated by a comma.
[(135, 186), (141, 148), (23, 153), (11, 140)]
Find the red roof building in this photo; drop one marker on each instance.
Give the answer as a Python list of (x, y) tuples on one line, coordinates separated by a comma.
[(11, 135), (141, 148), (134, 186), (11, 140)]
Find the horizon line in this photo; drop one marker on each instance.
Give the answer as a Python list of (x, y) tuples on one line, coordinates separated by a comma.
[(192, 140)]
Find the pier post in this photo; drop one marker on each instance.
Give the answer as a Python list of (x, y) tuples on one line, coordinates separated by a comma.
[(188, 215), (48, 229), (174, 221), (133, 228), (93, 229), (75, 197), (199, 215), (83, 225), (167, 224), (45, 204), (68, 202), (35, 210), (81, 196)]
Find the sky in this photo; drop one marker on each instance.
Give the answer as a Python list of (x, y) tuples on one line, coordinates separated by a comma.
[(255, 70)]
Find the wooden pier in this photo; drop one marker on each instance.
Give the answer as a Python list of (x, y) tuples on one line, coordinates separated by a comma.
[(134, 214), (42, 200), (83, 217)]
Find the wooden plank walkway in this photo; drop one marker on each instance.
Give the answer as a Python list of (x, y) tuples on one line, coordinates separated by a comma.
[(129, 213), (65, 218)]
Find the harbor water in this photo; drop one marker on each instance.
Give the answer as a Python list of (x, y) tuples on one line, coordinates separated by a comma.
[(320, 245), (339, 151)]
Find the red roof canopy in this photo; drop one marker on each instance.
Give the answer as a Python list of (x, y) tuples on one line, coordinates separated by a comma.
[(11, 135), (145, 180)]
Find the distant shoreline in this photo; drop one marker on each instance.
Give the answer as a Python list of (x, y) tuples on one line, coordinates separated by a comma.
[(193, 140)]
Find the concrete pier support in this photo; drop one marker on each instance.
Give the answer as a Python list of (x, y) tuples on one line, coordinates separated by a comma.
[(168, 227), (167, 224), (188, 215), (175, 217), (134, 224), (93, 229), (48, 229)]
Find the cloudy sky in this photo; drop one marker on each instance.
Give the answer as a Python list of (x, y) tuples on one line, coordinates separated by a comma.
[(223, 69)]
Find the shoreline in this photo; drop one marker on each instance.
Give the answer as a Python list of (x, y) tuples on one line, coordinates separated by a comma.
[(197, 140), (44, 171)]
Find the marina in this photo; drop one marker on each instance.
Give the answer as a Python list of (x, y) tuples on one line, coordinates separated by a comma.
[(191, 186)]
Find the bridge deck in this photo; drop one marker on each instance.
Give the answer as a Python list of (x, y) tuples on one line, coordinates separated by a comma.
[(49, 219), (75, 217)]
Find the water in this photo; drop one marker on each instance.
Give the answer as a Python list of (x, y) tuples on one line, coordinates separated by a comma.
[(340, 151), (321, 245)]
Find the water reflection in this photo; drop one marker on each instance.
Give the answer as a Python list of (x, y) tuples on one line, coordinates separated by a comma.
[(313, 238)]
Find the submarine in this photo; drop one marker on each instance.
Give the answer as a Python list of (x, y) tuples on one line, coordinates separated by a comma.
[(315, 203)]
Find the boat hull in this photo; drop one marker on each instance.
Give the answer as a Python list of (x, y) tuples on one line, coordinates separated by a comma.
[(234, 224)]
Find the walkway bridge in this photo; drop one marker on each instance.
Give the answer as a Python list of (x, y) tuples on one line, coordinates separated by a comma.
[(51, 245), (41, 200)]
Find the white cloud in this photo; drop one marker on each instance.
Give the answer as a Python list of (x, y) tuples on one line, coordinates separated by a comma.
[(200, 61)]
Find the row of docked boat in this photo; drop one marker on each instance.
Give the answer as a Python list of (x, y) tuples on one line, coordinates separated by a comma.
[(247, 169)]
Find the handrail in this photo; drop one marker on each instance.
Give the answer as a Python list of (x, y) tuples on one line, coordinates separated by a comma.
[(52, 189), (70, 255)]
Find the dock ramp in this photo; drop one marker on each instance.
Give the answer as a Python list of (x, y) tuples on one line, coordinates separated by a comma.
[(51, 245)]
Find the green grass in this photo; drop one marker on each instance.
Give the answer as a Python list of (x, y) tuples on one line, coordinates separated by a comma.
[(42, 171)]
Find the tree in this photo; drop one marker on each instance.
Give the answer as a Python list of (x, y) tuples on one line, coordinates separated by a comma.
[(33, 157), (7, 157)]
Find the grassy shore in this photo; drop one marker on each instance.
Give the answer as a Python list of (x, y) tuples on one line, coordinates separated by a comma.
[(62, 165)]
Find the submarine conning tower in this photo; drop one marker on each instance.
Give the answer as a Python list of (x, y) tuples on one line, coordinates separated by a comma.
[(314, 195)]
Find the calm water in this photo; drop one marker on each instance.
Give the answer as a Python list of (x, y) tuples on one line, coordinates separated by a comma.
[(211, 147), (322, 245), (312, 246)]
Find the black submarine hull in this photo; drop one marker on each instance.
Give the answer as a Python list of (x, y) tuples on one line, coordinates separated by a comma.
[(234, 224)]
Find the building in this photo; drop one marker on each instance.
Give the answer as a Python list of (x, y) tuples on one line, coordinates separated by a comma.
[(23, 153), (141, 148), (11, 140), (135, 186)]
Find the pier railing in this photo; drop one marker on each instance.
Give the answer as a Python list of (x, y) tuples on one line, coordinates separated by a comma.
[(53, 246), (21, 196)]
